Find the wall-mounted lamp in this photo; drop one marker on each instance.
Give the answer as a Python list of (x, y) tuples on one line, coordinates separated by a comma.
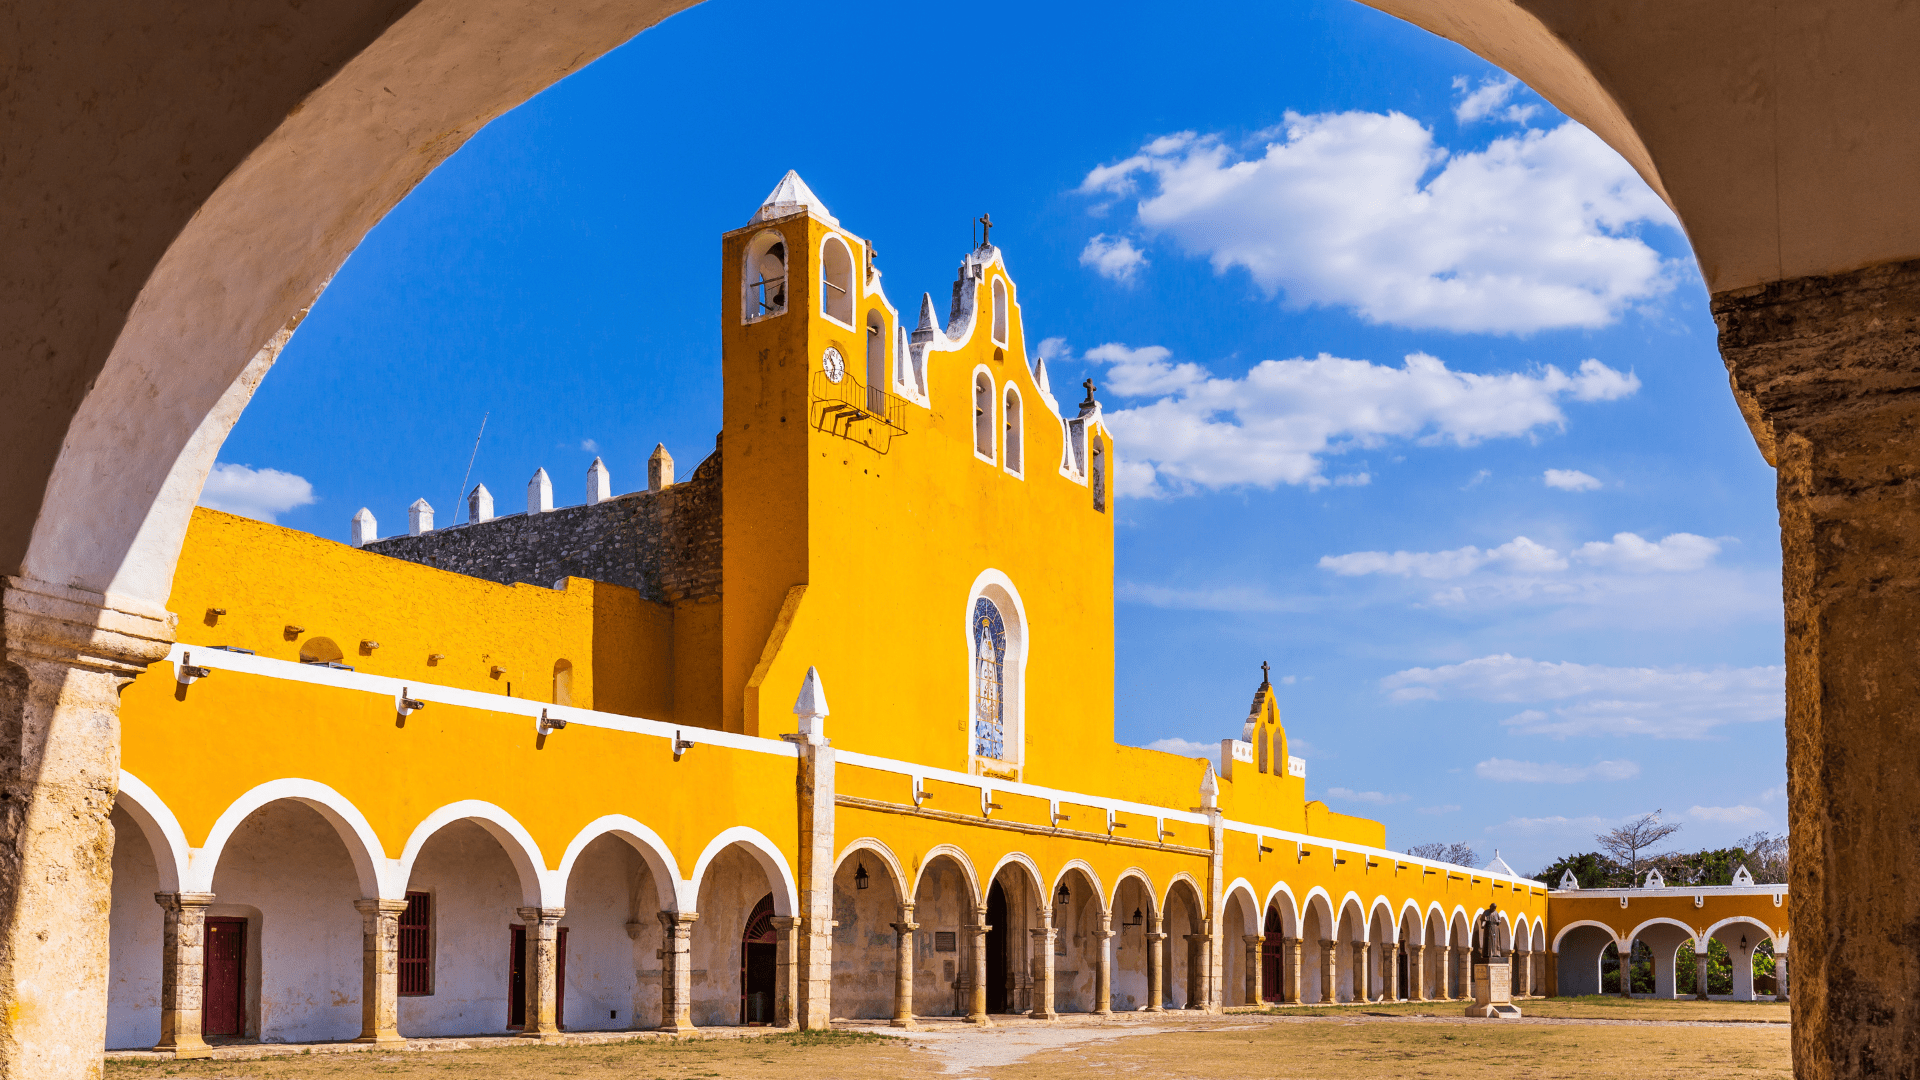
[(188, 671), (549, 723), (860, 878), (1743, 942), (1136, 918), (1063, 896)]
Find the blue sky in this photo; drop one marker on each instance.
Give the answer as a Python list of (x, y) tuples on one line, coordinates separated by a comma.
[(1517, 588)]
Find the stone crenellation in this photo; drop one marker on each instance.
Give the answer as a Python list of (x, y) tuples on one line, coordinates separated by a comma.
[(664, 543)]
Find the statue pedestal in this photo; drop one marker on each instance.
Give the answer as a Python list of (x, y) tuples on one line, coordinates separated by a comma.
[(1493, 992)]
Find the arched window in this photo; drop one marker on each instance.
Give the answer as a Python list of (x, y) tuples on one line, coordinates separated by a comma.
[(1000, 310), (1099, 474), (989, 680), (836, 280), (876, 363), (563, 682), (765, 277), (983, 415), (1015, 461)]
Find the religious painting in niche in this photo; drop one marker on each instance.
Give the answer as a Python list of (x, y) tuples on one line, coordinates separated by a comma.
[(989, 680)]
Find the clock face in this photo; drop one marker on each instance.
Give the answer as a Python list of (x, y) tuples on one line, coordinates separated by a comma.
[(833, 364)]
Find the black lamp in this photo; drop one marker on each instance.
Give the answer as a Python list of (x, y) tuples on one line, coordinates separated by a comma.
[(860, 876), (1136, 918), (1063, 895)]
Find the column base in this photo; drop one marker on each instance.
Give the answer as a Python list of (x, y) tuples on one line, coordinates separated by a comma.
[(1108, 1011), (684, 1027), (905, 1025), (1047, 1014), (983, 1020), (186, 1051), (395, 1040), (537, 1036)]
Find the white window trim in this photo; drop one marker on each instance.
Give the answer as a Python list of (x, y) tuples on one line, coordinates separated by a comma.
[(993, 424), (746, 268), (1020, 431), (998, 587), (1001, 319), (854, 282)]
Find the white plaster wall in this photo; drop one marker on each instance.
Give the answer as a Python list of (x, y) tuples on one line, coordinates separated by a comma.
[(133, 944), (1077, 953), (287, 863), (1130, 947), (864, 941), (941, 903), (476, 897), (1741, 960), (1580, 960), (609, 887), (732, 885), (1663, 941), (1313, 930), (1182, 920)]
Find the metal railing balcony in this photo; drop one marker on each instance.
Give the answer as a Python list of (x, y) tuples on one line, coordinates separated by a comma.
[(848, 399)]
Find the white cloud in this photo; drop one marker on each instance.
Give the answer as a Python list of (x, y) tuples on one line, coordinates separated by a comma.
[(590, 446), (1594, 699), (1446, 808), (1113, 257), (256, 493), (1278, 423), (1363, 210), (1519, 553), (1377, 798), (1571, 480), (1627, 551), (1185, 747), (1479, 478), (1222, 598), (1555, 824), (1552, 772), (1728, 815), (1490, 98)]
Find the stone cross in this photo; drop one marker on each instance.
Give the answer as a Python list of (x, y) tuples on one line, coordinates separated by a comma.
[(986, 228)]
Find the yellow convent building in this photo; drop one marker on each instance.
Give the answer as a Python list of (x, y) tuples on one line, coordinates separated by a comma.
[(576, 768)]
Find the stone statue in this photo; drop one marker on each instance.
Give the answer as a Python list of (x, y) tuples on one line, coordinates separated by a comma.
[(1486, 944)]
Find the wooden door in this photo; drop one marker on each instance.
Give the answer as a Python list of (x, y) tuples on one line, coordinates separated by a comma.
[(223, 1004), (517, 977), (759, 964)]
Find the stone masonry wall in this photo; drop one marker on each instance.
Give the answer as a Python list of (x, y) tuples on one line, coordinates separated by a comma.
[(665, 544)]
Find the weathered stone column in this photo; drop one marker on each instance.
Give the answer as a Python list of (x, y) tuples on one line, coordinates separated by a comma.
[(1625, 949), (1197, 948), (1256, 968), (1043, 939), (1463, 970), (676, 971), (1362, 986), (1780, 975), (903, 968), (183, 952), (815, 982), (1103, 966), (380, 971), (1417, 972), (1827, 372), (1290, 964), (542, 965), (1700, 975), (1156, 967), (977, 994), (68, 654), (1389, 971), (1551, 969), (786, 968), (1522, 973), (1329, 981)]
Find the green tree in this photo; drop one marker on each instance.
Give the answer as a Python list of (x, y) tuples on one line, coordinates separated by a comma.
[(1591, 869)]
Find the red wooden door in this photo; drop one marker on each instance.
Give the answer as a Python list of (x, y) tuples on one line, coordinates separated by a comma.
[(223, 1008)]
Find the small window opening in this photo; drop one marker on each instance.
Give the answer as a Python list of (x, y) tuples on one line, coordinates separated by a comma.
[(983, 416), (836, 281), (1013, 443), (1077, 447), (416, 946), (1099, 478), (1000, 311), (876, 364), (766, 277), (563, 682)]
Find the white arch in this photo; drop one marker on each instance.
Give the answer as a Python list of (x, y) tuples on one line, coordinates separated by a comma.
[(515, 840), (159, 827), (654, 850), (977, 891), (1344, 922), (882, 852), (1290, 913), (991, 426), (996, 586), (363, 846), (1417, 928), (1093, 876), (1612, 934), (1765, 930), (1199, 895), (852, 284), (1392, 922), (1146, 886), (1256, 915), (1460, 924), (786, 895)]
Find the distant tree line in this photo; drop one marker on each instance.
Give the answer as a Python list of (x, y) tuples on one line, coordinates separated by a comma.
[(1627, 853), (1458, 854)]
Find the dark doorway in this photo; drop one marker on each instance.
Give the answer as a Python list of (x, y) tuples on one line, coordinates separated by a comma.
[(1400, 988), (517, 978), (223, 1010), (1270, 948), (759, 965), (997, 949)]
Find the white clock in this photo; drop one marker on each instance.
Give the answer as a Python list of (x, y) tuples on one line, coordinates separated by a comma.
[(833, 364)]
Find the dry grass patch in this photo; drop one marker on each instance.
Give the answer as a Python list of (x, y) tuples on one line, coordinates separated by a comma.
[(1578, 1008)]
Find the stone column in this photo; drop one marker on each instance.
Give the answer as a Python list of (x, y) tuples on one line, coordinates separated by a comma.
[(1626, 968), (1290, 964), (1780, 975), (183, 972), (1826, 371), (676, 971), (1362, 987), (1156, 967), (1522, 973), (1197, 949), (977, 996), (815, 982), (542, 966), (69, 651), (786, 968), (1700, 975), (1329, 981), (1256, 968), (1550, 968), (1389, 971), (1463, 970), (1043, 938), (1417, 972), (1103, 966), (903, 968), (380, 971)]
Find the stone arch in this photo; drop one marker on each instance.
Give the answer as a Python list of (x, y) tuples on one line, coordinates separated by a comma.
[(1145, 883), (363, 847), (896, 873), (1183, 964), (1289, 910), (1249, 903), (158, 827), (960, 859), (514, 839), (866, 955), (1740, 957), (786, 894), (649, 845)]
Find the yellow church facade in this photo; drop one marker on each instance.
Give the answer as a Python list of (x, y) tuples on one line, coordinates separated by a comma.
[(825, 730)]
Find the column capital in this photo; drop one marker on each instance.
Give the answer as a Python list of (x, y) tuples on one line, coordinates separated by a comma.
[(81, 628), (1105, 934), (678, 922), (382, 906), (1155, 935), (779, 922), (549, 916), (905, 927), (1254, 939), (184, 901)]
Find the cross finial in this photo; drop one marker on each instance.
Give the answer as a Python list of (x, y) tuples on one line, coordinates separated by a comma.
[(986, 228), (1266, 677), (1088, 383)]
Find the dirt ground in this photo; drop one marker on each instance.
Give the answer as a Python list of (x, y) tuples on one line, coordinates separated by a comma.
[(1643, 1040), (1610, 1007)]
